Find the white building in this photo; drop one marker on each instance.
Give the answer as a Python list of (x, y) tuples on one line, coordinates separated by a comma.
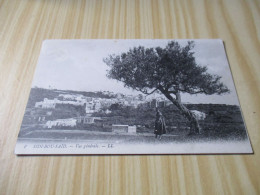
[(132, 129), (123, 129), (93, 106), (198, 115), (87, 119), (47, 103), (70, 122)]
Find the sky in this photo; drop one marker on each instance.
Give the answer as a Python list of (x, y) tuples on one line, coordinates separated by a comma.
[(78, 65)]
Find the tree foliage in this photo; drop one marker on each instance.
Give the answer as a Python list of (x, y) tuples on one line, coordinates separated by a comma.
[(173, 69)]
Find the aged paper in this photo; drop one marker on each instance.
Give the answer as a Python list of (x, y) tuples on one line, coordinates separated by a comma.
[(132, 97)]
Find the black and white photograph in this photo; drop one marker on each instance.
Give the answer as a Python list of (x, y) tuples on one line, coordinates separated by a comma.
[(133, 96)]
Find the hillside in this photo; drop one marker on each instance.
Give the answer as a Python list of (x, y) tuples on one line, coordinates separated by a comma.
[(221, 120)]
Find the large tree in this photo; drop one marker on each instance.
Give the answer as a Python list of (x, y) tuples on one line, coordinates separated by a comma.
[(170, 71)]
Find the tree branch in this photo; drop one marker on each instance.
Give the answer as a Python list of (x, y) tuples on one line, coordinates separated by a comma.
[(174, 92), (152, 91), (145, 91)]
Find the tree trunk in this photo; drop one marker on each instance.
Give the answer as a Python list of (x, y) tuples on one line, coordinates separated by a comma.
[(194, 125), (178, 97)]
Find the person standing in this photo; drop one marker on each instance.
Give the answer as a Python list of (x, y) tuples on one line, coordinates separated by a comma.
[(160, 127)]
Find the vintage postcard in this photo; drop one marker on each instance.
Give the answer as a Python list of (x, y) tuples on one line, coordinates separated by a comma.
[(133, 97)]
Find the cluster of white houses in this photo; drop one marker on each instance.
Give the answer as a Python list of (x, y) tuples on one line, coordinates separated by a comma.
[(93, 105)]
